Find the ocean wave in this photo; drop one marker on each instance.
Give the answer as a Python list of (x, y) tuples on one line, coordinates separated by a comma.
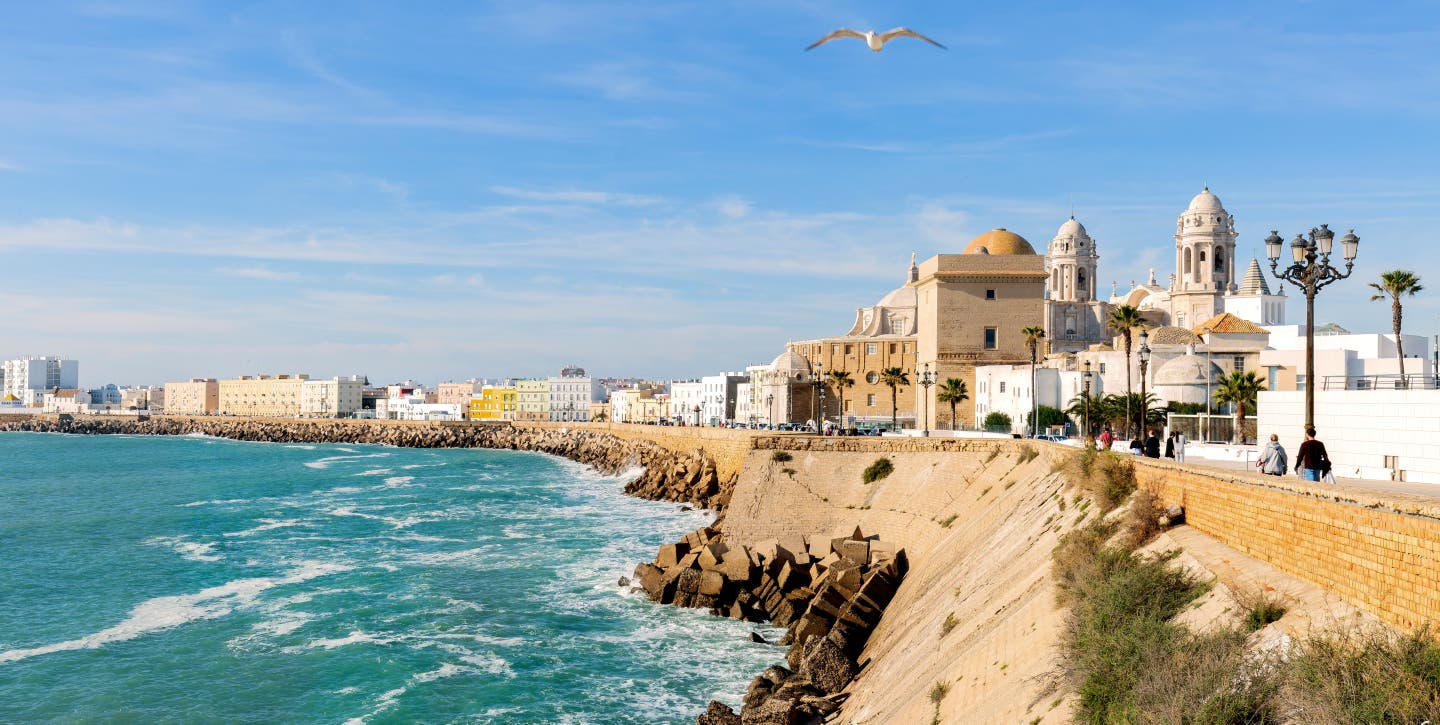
[(374, 472), (398, 481), (192, 550), (168, 612)]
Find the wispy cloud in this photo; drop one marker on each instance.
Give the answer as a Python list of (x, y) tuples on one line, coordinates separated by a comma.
[(976, 147), (7, 166), (576, 196), (260, 273), (304, 58)]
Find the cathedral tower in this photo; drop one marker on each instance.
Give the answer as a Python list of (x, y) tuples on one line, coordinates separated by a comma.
[(1204, 260), (1074, 318)]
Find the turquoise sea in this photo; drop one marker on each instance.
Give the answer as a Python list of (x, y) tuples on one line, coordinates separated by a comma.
[(197, 580)]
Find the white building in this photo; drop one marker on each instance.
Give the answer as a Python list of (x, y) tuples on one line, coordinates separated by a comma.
[(1007, 389), (571, 394), (415, 408), (719, 397), (27, 378), (66, 400), (334, 398), (687, 402), (1343, 360), (1074, 314)]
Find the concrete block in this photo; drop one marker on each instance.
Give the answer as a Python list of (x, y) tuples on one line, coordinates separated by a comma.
[(670, 554)]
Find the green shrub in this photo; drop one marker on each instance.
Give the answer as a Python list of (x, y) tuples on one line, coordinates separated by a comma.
[(996, 421), (881, 468), (949, 520), (1367, 676), (1028, 454), (949, 624), (781, 456), (1104, 477)]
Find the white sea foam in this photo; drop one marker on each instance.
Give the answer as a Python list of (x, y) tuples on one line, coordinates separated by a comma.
[(355, 637), (160, 613), (374, 472), (216, 502), (192, 550), (267, 525), (297, 446), (398, 481), (514, 532), (328, 460)]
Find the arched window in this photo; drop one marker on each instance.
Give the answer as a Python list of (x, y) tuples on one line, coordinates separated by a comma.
[(1080, 283), (1219, 259), (1187, 261)]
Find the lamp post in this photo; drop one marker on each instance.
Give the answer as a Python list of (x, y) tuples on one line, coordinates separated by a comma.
[(697, 415), (817, 379), (926, 378), (1311, 271), (1085, 376), (770, 409), (1144, 355)]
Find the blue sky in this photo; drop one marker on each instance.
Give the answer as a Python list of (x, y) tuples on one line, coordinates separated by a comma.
[(665, 189)]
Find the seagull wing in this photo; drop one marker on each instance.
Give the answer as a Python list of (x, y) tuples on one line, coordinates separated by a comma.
[(841, 33), (892, 34)]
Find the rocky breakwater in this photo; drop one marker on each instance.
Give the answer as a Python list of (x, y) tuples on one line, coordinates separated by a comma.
[(667, 475), (829, 591)]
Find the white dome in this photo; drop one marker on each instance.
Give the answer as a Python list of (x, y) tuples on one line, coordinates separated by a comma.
[(1205, 201), (790, 362), (1071, 228), (900, 297), (1188, 369)]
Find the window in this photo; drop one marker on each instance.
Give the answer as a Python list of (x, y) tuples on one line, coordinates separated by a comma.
[(870, 348), (989, 294), (1102, 368), (870, 399), (892, 348), (848, 349), (1002, 387), (1239, 364), (872, 377), (991, 338)]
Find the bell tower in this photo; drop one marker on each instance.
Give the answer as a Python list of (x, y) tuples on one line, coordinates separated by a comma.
[(1204, 260)]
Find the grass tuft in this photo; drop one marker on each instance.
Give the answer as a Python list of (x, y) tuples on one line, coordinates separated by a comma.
[(945, 522), (878, 470), (781, 456), (949, 624)]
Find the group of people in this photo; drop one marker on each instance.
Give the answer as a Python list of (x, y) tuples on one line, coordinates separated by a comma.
[(1312, 462), (1149, 446)]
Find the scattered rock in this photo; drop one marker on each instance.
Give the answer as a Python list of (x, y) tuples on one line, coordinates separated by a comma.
[(755, 637), (718, 713)]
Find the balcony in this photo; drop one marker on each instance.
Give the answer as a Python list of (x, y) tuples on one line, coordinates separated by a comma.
[(1391, 381)]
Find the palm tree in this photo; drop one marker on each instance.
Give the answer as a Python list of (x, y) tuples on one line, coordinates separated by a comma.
[(1032, 340), (841, 380), (894, 377), (1396, 284), (1241, 390), (952, 391), (1122, 320)]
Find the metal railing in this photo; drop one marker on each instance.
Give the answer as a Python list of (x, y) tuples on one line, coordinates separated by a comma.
[(1389, 381)]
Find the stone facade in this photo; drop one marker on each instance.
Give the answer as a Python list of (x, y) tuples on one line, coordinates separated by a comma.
[(262, 396), (972, 307), (198, 396)]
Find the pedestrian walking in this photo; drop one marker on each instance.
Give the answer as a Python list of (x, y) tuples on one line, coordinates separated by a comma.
[(1312, 462), (1179, 447), (1170, 445), (1137, 446), (1273, 461)]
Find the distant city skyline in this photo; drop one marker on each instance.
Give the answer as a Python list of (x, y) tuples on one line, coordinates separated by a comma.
[(487, 190)]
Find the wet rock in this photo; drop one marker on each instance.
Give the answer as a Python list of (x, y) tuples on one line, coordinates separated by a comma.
[(718, 713)]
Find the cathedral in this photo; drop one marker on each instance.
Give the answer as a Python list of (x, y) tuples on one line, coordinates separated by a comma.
[(1201, 287)]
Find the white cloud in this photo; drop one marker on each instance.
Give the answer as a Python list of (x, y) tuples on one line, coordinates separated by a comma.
[(7, 166), (261, 273), (734, 207)]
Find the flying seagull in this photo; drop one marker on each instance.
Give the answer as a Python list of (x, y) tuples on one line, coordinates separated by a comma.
[(875, 40)]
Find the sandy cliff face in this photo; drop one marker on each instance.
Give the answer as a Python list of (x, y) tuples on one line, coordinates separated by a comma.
[(979, 525)]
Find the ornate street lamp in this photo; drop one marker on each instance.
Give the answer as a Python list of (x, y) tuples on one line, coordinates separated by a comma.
[(770, 409), (925, 378), (1085, 376), (1144, 356), (1311, 271), (697, 415)]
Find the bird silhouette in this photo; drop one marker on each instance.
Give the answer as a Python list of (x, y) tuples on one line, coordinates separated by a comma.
[(875, 40)]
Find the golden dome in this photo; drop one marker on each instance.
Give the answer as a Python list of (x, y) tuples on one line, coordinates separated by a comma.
[(999, 241)]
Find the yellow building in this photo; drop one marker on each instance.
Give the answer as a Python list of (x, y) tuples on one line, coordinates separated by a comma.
[(532, 400), (262, 396), (496, 402), (198, 396)]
